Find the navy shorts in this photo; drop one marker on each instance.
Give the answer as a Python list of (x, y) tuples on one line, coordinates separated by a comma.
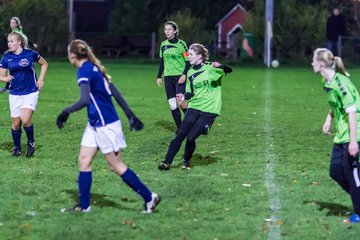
[(172, 87)]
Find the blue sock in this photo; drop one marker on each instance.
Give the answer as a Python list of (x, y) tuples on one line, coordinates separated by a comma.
[(130, 178), (16, 135), (84, 183), (30, 133)]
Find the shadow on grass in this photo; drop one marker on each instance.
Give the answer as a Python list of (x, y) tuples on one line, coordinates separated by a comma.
[(333, 208), (198, 160), (100, 200), (170, 126), (7, 146)]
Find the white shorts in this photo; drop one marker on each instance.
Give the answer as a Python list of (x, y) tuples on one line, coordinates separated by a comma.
[(108, 138), (18, 102)]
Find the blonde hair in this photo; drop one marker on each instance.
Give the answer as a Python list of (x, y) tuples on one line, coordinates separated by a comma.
[(83, 51), (21, 37), (18, 23), (174, 25), (327, 57), (200, 49)]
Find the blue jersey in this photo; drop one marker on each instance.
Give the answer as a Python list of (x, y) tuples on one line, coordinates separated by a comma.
[(21, 67), (101, 110)]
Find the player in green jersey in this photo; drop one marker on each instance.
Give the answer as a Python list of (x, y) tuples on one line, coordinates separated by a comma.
[(15, 25), (344, 101), (173, 66), (202, 102)]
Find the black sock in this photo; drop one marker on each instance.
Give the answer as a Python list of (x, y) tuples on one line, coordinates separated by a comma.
[(16, 135), (30, 133), (177, 117)]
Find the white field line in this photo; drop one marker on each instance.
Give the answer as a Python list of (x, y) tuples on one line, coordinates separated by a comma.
[(270, 176)]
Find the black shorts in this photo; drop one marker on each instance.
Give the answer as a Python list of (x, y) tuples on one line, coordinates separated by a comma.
[(196, 122), (172, 87)]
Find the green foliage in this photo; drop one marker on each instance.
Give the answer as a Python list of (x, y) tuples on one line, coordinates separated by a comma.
[(43, 21), (255, 24), (130, 17), (191, 29), (298, 27)]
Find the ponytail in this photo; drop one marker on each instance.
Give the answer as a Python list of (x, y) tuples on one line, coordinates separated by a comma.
[(83, 51), (339, 66), (326, 56)]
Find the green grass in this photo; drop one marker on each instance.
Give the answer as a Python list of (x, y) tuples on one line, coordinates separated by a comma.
[(268, 136)]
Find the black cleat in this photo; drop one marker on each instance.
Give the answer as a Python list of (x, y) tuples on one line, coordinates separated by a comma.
[(164, 166), (16, 151), (4, 89), (186, 165), (30, 149)]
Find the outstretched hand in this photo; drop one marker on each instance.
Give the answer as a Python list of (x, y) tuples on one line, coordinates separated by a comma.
[(62, 118), (135, 124), (215, 64)]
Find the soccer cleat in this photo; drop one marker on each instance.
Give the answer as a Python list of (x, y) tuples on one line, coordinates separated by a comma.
[(16, 151), (164, 166), (4, 89), (150, 206), (76, 208), (30, 149), (186, 165), (353, 219)]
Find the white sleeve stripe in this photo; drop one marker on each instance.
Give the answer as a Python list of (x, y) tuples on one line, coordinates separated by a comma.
[(356, 177), (350, 109), (82, 79)]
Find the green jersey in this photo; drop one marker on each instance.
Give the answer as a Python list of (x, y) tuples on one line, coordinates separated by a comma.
[(18, 30), (174, 54), (204, 84), (342, 94)]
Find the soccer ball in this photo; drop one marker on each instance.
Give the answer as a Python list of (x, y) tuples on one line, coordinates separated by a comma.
[(275, 63)]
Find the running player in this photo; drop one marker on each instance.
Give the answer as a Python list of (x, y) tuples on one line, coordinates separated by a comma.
[(24, 88), (103, 130), (173, 66), (203, 105), (344, 101)]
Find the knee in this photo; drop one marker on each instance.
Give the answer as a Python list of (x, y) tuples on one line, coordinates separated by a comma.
[(336, 172), (172, 103), (16, 124), (181, 135), (118, 167), (84, 164), (190, 139)]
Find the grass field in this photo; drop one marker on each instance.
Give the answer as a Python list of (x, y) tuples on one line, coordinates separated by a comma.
[(261, 173)]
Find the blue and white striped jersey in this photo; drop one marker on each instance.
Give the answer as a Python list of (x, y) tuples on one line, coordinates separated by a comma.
[(21, 67), (101, 110)]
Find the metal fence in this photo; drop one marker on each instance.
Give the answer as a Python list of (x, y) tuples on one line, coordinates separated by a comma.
[(349, 48), (122, 44)]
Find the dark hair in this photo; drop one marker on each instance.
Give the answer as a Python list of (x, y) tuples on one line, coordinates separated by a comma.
[(174, 25), (83, 51)]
